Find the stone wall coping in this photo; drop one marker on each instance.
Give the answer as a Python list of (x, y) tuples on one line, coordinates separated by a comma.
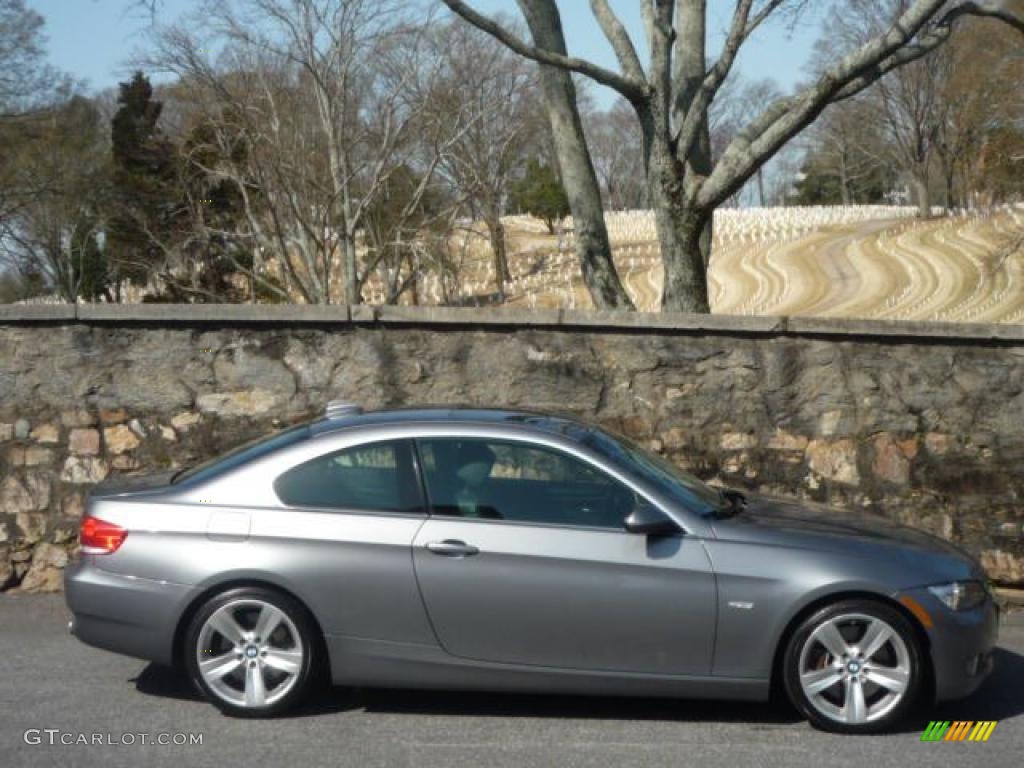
[(612, 321), (12, 314)]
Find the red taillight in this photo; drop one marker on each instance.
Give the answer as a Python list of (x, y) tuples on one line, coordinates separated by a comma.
[(99, 537)]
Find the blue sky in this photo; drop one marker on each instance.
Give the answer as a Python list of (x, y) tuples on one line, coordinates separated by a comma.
[(92, 39)]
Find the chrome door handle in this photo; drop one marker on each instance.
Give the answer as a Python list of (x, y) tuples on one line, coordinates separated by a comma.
[(452, 548)]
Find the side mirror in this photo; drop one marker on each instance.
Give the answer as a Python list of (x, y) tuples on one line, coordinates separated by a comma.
[(650, 520)]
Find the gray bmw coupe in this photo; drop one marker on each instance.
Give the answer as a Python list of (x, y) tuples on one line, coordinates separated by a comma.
[(504, 550)]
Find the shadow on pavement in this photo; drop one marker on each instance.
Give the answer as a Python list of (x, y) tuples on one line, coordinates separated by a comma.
[(167, 682), (577, 707), (999, 698)]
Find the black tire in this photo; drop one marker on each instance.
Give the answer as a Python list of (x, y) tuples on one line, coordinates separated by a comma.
[(298, 631), (891, 711)]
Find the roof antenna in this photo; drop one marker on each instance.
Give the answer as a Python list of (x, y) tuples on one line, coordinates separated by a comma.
[(337, 408)]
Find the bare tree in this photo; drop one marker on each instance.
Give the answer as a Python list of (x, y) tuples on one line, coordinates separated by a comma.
[(672, 97), (737, 103), (905, 102), (908, 105), (312, 113), (24, 75), (54, 232), (29, 90), (850, 147), (480, 76), (980, 99), (618, 159)]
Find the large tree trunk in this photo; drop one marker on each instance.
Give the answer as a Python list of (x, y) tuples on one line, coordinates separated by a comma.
[(684, 233), (496, 234), (701, 164), (691, 69), (581, 187), (921, 194), (681, 231)]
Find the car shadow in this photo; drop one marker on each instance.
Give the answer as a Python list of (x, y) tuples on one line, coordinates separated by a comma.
[(998, 699), (506, 705), (169, 682), (165, 682)]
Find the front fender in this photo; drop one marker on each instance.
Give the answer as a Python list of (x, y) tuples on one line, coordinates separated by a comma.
[(762, 589)]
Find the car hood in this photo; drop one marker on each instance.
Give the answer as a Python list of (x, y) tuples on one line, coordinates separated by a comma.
[(786, 522)]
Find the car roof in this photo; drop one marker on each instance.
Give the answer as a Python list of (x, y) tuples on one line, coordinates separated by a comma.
[(539, 421)]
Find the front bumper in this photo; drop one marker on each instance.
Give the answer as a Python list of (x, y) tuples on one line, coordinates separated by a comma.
[(961, 644), (125, 614)]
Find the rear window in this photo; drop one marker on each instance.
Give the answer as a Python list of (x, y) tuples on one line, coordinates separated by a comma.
[(243, 454), (374, 477)]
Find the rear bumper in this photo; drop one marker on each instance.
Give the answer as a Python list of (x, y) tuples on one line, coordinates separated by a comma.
[(961, 644), (124, 614)]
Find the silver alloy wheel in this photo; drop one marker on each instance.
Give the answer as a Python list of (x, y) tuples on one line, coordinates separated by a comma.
[(854, 668), (249, 653)]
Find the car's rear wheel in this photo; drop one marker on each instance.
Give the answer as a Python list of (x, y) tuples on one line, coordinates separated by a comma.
[(854, 667), (251, 651)]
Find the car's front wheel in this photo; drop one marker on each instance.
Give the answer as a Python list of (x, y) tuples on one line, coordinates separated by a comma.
[(251, 651), (854, 667)]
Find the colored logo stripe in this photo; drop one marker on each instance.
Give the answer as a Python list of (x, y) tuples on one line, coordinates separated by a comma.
[(982, 730), (958, 730)]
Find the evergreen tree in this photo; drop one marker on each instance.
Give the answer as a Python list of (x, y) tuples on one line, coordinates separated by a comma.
[(217, 209), (147, 200), (821, 184), (541, 194)]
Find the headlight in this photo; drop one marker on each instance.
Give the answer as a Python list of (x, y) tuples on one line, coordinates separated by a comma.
[(960, 595)]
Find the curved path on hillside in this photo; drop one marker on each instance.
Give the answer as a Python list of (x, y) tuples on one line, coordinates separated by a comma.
[(964, 269), (947, 269)]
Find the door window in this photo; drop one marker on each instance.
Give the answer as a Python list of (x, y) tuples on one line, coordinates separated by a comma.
[(374, 476), (519, 482)]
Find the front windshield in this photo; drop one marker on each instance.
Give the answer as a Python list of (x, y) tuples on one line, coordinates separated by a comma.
[(242, 454), (690, 491)]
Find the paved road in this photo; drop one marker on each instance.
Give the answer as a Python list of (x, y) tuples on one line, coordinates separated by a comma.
[(50, 680)]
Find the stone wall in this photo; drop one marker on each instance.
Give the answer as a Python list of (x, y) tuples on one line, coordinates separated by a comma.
[(924, 422)]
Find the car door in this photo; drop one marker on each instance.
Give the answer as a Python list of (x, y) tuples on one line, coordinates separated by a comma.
[(531, 564), (342, 534)]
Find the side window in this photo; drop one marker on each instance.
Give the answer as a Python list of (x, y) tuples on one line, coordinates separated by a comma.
[(375, 477), (519, 482)]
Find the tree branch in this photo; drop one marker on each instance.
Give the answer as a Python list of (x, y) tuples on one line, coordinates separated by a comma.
[(760, 17), (887, 51), (619, 39), (994, 9), (694, 116), (629, 87)]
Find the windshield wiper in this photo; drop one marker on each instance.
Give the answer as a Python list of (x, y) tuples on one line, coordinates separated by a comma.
[(732, 502)]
